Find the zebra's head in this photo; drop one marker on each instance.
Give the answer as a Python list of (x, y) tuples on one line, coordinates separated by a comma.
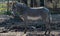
[(19, 7)]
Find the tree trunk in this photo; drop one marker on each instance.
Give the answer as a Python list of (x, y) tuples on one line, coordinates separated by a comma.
[(28, 2), (38, 2), (7, 5), (55, 2)]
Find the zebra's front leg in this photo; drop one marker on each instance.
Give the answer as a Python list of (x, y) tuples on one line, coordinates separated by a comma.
[(25, 22), (46, 20), (47, 24)]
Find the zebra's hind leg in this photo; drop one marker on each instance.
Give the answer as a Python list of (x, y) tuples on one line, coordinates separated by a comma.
[(47, 31), (25, 30)]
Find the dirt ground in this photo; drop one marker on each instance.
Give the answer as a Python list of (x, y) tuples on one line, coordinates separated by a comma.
[(53, 33)]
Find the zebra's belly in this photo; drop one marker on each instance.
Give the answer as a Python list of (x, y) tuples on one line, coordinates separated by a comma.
[(33, 18)]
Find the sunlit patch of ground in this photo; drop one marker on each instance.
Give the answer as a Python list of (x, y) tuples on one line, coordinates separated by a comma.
[(12, 34), (53, 33)]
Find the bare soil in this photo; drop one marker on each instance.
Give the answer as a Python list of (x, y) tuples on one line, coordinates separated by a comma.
[(53, 33)]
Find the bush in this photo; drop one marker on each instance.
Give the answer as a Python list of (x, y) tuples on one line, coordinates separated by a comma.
[(8, 13)]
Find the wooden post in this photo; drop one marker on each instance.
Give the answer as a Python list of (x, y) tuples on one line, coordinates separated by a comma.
[(45, 3), (33, 3), (38, 2), (20, 1), (28, 2), (7, 5)]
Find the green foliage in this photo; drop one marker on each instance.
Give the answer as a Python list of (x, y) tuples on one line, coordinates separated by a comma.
[(1, 13), (8, 13)]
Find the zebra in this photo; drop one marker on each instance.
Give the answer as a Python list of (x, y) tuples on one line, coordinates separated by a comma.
[(24, 10)]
